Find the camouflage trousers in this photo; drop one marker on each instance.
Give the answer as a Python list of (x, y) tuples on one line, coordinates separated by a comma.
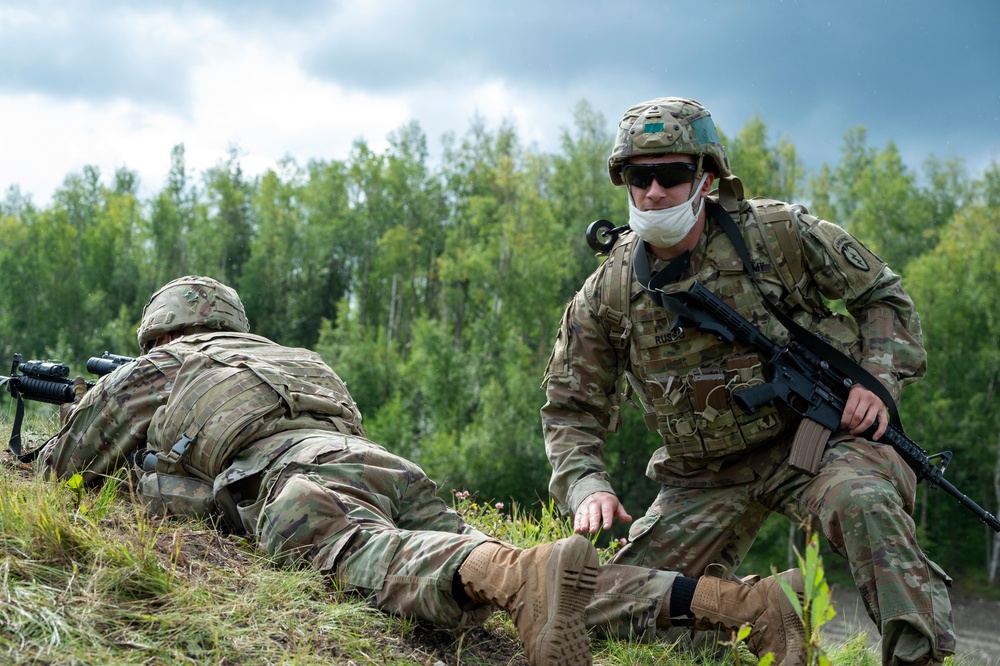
[(374, 522), (861, 500)]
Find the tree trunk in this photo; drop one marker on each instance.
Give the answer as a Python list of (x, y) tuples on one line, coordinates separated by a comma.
[(994, 572), (392, 314)]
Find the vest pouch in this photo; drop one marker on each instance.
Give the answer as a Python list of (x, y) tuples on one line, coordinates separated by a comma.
[(682, 439), (302, 382), (672, 418), (720, 435), (716, 422), (178, 495)]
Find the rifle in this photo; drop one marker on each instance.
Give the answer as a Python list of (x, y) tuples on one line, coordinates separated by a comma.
[(47, 381), (810, 385)]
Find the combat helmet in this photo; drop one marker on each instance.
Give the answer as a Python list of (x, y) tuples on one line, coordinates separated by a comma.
[(191, 302), (668, 125)]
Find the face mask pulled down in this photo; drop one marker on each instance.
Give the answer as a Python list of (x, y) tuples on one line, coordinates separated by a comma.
[(666, 227)]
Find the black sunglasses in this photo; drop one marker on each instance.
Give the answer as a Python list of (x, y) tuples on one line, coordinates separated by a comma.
[(667, 174)]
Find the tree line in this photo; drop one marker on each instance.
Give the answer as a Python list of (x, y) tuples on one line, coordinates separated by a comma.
[(435, 287)]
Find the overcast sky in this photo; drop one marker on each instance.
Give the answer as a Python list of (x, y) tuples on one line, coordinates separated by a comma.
[(114, 83)]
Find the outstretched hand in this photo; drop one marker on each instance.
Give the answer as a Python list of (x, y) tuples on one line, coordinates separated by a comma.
[(599, 511)]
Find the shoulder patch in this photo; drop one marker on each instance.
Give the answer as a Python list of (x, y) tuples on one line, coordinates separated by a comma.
[(851, 253)]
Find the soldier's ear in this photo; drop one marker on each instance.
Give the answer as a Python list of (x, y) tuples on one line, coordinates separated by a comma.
[(707, 187)]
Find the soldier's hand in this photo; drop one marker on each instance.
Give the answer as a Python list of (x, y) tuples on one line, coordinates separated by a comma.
[(66, 409), (864, 409), (597, 512)]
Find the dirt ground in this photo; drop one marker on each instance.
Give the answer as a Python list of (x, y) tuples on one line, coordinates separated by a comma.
[(977, 623)]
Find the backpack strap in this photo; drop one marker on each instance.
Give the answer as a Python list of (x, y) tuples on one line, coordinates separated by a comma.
[(774, 226), (618, 292)]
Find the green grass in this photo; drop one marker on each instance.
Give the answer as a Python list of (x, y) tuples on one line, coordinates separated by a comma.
[(87, 578)]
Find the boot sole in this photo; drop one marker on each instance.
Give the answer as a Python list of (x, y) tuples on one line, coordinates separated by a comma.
[(790, 631), (794, 632), (563, 641)]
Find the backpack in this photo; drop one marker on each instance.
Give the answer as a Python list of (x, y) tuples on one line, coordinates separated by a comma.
[(224, 398)]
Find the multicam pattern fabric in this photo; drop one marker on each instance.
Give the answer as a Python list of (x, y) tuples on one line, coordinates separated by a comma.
[(722, 470), (192, 301), (228, 395), (667, 125), (303, 479)]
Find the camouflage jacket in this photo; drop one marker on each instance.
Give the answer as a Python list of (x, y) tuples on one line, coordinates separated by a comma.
[(132, 408), (683, 378)]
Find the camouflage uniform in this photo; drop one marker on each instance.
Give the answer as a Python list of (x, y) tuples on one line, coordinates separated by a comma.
[(304, 481), (722, 471)]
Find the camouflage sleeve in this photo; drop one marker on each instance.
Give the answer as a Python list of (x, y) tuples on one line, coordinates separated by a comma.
[(580, 389), (109, 423), (891, 339)]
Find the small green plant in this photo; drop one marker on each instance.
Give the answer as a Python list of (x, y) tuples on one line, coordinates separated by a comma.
[(514, 525), (815, 608), (738, 647)]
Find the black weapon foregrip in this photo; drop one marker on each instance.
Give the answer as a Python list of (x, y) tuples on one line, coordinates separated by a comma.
[(55, 392)]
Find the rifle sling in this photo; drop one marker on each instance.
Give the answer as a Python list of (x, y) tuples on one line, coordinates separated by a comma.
[(14, 443), (652, 282), (837, 359)]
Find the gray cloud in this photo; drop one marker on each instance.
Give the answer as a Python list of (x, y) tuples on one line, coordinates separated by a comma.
[(921, 73), (406, 46), (898, 68), (90, 52)]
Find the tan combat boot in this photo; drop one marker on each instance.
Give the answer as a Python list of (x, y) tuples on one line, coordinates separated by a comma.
[(723, 604), (544, 589)]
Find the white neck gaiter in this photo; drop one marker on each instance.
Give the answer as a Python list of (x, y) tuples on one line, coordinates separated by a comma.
[(666, 227)]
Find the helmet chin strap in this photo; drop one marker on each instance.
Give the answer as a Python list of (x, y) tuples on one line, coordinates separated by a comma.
[(696, 184)]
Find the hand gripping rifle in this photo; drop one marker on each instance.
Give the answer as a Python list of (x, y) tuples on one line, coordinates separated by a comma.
[(47, 381), (810, 385)]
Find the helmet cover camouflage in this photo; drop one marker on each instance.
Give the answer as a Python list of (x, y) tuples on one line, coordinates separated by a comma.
[(191, 301), (668, 125)]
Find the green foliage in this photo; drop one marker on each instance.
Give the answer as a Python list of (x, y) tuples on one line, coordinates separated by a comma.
[(855, 652), (876, 197), (815, 608), (125, 589), (957, 291), (768, 171)]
